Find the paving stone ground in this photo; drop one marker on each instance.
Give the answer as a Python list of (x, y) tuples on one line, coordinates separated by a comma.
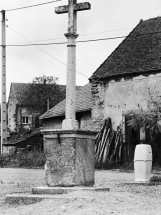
[(123, 199)]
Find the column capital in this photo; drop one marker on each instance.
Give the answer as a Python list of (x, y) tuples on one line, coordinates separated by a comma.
[(71, 35)]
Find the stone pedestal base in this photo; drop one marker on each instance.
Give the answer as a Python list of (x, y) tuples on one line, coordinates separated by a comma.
[(70, 157)]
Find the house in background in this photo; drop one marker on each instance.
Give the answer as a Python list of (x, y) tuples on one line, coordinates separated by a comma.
[(54, 117), (125, 81), (24, 114)]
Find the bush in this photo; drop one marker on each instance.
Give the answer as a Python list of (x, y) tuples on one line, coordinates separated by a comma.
[(25, 160), (155, 178)]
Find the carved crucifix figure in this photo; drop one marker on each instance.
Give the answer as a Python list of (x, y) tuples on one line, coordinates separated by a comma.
[(70, 121)]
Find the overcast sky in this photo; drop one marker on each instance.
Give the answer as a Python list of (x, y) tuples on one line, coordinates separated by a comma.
[(107, 18)]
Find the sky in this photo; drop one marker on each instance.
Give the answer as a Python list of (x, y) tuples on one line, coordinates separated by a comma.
[(40, 24)]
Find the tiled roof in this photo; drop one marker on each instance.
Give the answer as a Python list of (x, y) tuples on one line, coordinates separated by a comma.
[(83, 103), (21, 89), (23, 137), (140, 52)]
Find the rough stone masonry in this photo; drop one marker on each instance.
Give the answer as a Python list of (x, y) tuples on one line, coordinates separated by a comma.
[(70, 158)]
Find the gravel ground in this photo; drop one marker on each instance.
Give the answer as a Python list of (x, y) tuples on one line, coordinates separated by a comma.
[(122, 199)]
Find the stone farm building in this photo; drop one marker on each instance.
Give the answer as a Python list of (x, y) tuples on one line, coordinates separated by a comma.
[(124, 81), (23, 113)]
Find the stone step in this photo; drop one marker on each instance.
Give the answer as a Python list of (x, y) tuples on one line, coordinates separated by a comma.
[(40, 193), (65, 190), (32, 198)]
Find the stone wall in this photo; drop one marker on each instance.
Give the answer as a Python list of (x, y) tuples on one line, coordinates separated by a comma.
[(9, 149), (98, 94), (86, 122), (54, 123), (70, 158), (84, 119), (113, 98), (12, 112), (15, 114), (24, 112)]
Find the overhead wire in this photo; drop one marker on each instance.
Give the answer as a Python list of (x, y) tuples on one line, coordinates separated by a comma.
[(62, 43), (82, 41), (39, 44), (60, 38), (101, 32), (22, 28), (101, 39), (15, 24), (55, 43), (45, 51), (20, 8)]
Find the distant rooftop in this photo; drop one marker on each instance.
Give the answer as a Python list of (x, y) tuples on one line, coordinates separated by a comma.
[(21, 89), (83, 103)]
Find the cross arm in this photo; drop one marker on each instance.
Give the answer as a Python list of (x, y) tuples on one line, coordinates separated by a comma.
[(61, 9), (77, 7), (82, 6)]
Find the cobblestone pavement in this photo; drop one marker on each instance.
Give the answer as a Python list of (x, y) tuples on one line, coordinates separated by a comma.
[(123, 199)]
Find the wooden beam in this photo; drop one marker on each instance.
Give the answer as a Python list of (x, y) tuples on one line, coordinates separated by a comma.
[(77, 7)]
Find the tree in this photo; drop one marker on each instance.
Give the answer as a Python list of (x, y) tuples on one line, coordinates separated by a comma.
[(149, 119), (45, 80), (44, 93)]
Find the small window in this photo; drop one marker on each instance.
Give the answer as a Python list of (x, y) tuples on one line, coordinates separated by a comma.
[(25, 120)]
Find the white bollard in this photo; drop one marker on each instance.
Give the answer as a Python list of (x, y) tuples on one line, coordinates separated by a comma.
[(143, 163)]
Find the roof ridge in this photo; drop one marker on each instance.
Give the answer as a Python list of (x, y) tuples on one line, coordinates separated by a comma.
[(20, 89), (116, 48), (19, 83), (135, 53), (141, 20)]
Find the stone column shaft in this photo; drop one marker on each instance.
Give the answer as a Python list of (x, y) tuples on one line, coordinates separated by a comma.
[(71, 79), (70, 121)]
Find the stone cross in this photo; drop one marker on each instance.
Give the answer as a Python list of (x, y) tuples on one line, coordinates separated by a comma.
[(70, 122)]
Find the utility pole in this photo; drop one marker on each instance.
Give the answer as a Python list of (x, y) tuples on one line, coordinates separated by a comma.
[(3, 84), (70, 122)]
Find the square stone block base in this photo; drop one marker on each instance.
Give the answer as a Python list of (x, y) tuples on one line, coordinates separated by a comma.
[(70, 157)]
